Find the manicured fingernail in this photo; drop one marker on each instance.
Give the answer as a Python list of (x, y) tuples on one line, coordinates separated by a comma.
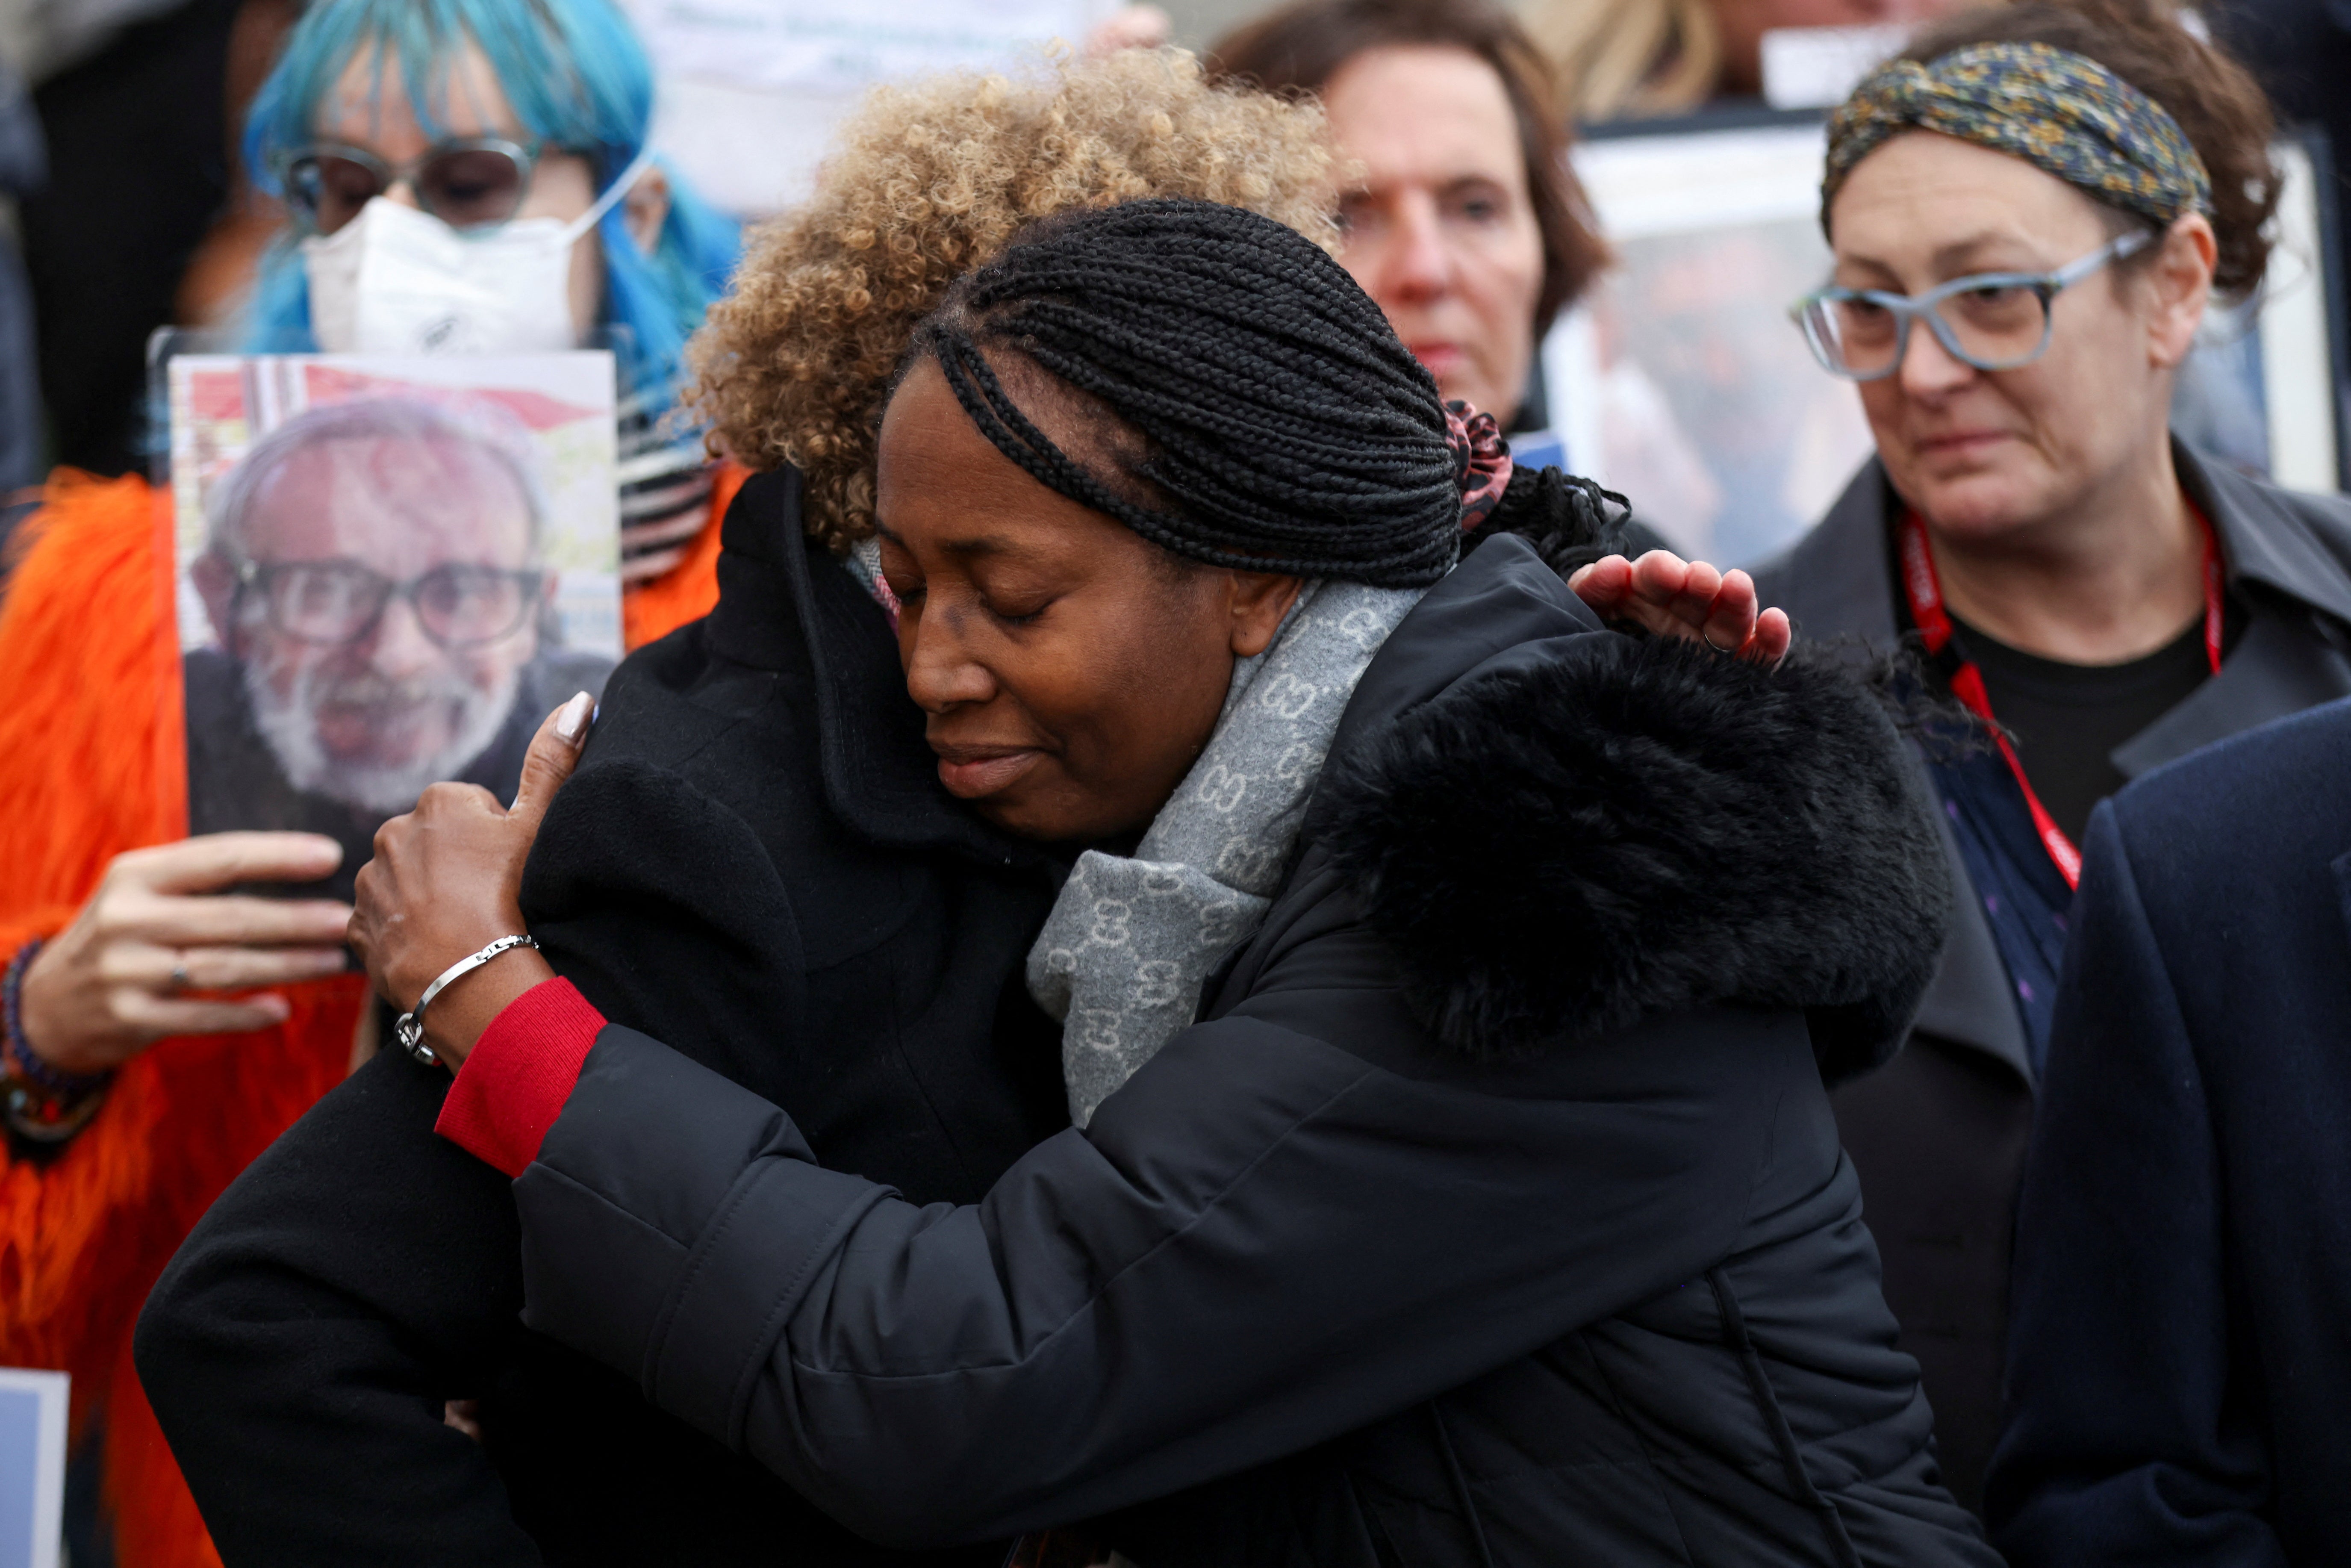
[(572, 722)]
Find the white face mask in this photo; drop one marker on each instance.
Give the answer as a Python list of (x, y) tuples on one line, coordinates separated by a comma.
[(395, 280)]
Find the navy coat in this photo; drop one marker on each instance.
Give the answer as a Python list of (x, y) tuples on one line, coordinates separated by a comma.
[(2181, 1347)]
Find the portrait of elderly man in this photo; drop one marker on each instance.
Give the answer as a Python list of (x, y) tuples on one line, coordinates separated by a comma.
[(374, 578)]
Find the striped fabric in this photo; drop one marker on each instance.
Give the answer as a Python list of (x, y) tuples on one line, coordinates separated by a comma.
[(665, 480)]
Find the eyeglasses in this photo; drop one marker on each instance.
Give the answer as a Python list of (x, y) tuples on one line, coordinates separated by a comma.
[(1992, 320), (337, 602), (467, 183)]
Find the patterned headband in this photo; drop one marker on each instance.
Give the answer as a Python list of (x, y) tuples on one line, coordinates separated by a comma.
[(2050, 107)]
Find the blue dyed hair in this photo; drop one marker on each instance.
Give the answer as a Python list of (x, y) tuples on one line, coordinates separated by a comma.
[(578, 80)]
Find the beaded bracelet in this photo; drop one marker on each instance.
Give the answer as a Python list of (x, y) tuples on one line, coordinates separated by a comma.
[(43, 1103)]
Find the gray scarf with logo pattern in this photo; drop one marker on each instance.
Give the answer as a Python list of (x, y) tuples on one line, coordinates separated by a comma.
[(1131, 941)]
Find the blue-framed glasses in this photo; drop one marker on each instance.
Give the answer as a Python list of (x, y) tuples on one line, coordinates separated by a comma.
[(1992, 320)]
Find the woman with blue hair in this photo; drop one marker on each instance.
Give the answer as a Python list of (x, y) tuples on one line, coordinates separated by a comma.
[(462, 175), (473, 176)]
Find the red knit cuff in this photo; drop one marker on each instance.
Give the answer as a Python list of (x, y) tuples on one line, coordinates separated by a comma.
[(513, 1085)]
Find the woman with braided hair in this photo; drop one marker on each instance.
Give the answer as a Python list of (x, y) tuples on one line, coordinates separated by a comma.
[(366, 1280), (1445, 989)]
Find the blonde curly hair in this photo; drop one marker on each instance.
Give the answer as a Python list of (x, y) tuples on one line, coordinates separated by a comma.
[(927, 182)]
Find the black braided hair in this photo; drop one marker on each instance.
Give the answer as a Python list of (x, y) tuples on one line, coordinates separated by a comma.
[(1283, 427), (1570, 521)]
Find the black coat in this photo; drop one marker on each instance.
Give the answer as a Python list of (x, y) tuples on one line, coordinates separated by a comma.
[(1494, 1214), (731, 868), (1939, 1135), (2182, 1340)]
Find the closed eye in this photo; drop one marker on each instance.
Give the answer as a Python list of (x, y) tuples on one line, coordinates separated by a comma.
[(1024, 616)]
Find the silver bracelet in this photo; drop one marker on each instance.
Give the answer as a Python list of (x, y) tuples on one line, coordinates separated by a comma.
[(410, 1031)]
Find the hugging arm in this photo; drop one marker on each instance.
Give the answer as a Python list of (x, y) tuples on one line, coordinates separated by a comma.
[(300, 1349), (1230, 1265)]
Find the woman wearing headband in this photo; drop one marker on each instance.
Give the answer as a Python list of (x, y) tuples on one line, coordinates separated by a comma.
[(1492, 1213), (2031, 211)]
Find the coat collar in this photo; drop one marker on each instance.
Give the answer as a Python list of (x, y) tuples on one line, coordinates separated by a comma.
[(2297, 545), (1837, 582), (785, 605), (1557, 831), (2289, 558)]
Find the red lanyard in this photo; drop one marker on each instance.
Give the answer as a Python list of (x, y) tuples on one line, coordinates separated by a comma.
[(1926, 612)]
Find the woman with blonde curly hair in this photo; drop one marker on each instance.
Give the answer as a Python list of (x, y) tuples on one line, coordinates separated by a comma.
[(305, 1350), (763, 868)]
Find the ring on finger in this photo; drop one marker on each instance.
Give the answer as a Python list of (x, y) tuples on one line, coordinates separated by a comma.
[(1708, 638), (179, 981)]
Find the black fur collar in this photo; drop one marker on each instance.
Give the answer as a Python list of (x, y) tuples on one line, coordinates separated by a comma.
[(1628, 826)]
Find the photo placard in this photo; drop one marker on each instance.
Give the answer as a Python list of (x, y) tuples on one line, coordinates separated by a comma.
[(388, 569)]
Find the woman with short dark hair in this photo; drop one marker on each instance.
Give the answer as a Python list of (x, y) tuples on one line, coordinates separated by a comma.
[(1492, 1211), (1466, 223)]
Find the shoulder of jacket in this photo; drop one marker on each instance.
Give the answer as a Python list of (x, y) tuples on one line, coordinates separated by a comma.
[(1568, 844), (2328, 518)]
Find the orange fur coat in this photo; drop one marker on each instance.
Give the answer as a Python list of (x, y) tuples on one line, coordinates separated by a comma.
[(92, 763)]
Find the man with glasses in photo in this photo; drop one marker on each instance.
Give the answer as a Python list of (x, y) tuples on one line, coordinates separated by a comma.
[(374, 578)]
